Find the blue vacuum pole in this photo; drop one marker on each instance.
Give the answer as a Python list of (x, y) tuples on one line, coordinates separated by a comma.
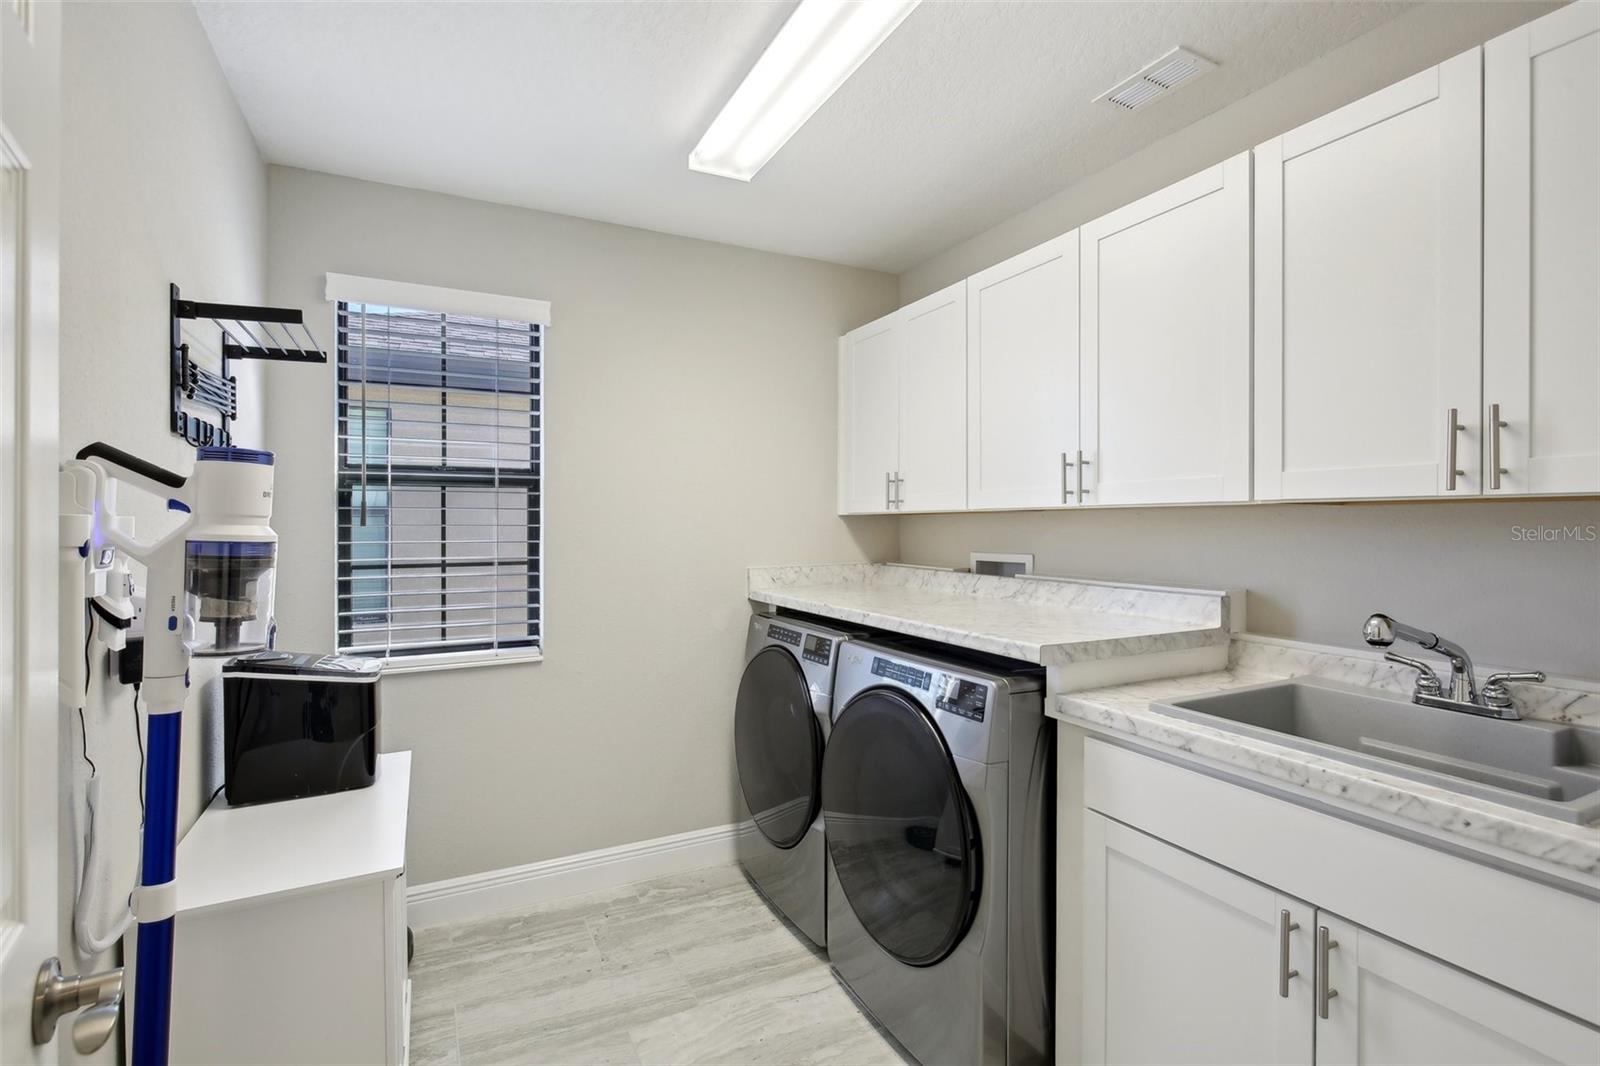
[(152, 1008)]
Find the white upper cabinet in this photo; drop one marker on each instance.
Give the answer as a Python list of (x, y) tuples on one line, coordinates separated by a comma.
[(933, 403), (903, 409), (1541, 210), (869, 417), (1166, 344), (1368, 310), (1022, 378)]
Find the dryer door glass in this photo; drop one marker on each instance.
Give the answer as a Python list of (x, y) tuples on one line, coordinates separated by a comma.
[(901, 830), (778, 745)]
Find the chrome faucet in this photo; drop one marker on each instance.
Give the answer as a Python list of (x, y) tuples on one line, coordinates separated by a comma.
[(1463, 694)]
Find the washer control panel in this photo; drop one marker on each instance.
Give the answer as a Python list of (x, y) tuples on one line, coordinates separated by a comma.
[(904, 673), (817, 649), (963, 698), (784, 634)]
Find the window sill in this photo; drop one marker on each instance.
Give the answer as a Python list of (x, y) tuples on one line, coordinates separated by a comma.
[(421, 664)]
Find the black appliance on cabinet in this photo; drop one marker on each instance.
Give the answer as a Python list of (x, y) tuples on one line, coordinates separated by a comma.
[(298, 724)]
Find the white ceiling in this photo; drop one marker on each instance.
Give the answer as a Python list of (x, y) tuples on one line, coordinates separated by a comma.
[(969, 113)]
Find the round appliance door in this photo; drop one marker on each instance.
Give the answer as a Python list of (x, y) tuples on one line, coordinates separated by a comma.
[(778, 745), (901, 830)]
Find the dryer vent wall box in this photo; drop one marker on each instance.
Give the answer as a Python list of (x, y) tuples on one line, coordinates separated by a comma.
[(997, 564)]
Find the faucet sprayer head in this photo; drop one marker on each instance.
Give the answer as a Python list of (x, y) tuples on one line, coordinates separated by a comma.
[(1379, 631)]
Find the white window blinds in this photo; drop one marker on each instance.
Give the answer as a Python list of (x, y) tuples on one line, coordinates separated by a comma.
[(439, 502)]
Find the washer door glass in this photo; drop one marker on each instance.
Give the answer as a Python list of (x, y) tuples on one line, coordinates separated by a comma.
[(778, 745), (901, 829)]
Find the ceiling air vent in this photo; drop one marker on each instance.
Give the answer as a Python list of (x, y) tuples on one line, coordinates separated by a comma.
[(1176, 68)]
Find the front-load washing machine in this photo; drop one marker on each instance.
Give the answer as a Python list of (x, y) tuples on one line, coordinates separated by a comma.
[(938, 790), (780, 725)]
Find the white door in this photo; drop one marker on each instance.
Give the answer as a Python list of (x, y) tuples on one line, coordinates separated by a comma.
[(932, 341), (1541, 214), (1186, 962), (30, 45), (1022, 378), (1392, 1005), (1368, 275), (869, 417), (1166, 344)]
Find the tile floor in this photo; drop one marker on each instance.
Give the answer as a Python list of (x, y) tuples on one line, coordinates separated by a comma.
[(693, 968)]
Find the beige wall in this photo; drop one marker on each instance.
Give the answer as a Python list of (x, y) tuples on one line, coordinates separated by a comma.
[(1423, 36), (1314, 572), (161, 182), (690, 434)]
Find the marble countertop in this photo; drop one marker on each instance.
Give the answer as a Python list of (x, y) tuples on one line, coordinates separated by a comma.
[(1049, 621), (1125, 713)]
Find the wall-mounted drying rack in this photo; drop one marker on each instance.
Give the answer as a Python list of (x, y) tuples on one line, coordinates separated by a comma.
[(275, 333)]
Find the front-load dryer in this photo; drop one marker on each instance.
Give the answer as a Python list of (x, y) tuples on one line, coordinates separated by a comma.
[(780, 727), (938, 790)]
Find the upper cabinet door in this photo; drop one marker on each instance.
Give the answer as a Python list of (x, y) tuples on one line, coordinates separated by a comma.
[(1541, 368), (1022, 378), (1166, 344), (1368, 274), (932, 341), (869, 417)]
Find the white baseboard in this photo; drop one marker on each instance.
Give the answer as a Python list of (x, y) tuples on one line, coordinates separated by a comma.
[(479, 895)]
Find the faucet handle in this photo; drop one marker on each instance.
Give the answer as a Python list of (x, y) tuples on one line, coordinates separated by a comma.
[(1428, 683), (1495, 691)]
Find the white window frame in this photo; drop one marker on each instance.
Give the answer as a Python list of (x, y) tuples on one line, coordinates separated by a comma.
[(350, 288)]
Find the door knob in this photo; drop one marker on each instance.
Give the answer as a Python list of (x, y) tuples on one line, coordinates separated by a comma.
[(56, 995)]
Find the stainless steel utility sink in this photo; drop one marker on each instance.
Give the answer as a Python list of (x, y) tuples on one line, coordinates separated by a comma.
[(1542, 767)]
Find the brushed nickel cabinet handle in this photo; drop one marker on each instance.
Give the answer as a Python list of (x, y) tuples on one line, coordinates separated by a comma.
[(1496, 424), (1066, 490), (1082, 462), (1452, 429), (899, 491), (1285, 927), (1325, 990), (888, 487)]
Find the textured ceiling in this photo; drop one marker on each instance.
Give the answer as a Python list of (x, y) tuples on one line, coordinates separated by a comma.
[(969, 113)]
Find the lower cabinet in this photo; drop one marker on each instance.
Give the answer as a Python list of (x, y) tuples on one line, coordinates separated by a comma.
[(1186, 961)]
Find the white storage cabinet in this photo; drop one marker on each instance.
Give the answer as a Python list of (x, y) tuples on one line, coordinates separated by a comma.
[(903, 409), (1541, 282), (1022, 379), (1368, 311), (1216, 928), (291, 930), (1166, 344)]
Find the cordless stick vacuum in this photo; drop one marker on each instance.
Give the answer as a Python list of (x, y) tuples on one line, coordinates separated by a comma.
[(208, 592)]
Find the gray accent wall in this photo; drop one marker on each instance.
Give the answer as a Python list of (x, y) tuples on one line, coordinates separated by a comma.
[(691, 422)]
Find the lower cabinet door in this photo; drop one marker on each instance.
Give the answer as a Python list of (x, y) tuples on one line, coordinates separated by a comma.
[(1186, 962), (1384, 1003)]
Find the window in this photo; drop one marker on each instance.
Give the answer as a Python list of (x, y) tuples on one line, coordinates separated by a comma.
[(438, 470)]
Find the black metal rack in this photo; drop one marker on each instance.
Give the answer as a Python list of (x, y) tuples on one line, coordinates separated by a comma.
[(274, 333)]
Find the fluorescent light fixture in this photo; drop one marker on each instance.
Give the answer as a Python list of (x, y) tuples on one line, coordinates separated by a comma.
[(817, 50)]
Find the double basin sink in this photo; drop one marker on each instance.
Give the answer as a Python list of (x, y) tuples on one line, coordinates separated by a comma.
[(1542, 767)]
